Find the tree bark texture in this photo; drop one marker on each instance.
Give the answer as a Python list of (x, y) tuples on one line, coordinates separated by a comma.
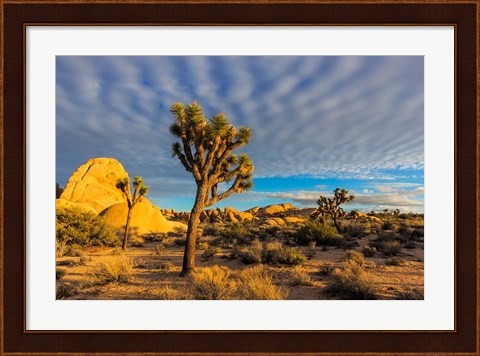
[(190, 244), (127, 227)]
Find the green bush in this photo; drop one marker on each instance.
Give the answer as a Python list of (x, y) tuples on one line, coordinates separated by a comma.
[(83, 228), (211, 230), (322, 234), (276, 253), (236, 232)]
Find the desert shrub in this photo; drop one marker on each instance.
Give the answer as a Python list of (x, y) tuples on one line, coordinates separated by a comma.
[(210, 283), (354, 229), (411, 294), (160, 249), (65, 291), (369, 251), (61, 248), (60, 273), (257, 284), (75, 252), (300, 277), (417, 234), (387, 225), (167, 293), (118, 268), (252, 253), (154, 236), (323, 234), (211, 230), (178, 231), (410, 245), (388, 236), (202, 246), (209, 254), (75, 226), (351, 282), (235, 233), (395, 261), (391, 248), (137, 241), (276, 253), (84, 260), (356, 257), (140, 263), (166, 266), (180, 242), (326, 269), (405, 231)]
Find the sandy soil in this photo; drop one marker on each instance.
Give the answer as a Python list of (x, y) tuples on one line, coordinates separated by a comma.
[(150, 278)]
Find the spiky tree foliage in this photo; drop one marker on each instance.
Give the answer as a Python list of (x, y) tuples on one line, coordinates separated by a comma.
[(139, 190), (205, 150), (330, 207)]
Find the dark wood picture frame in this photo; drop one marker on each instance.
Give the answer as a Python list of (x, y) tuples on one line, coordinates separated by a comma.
[(16, 14)]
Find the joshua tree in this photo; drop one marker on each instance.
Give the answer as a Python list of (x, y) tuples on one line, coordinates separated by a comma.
[(140, 190), (205, 150), (330, 207)]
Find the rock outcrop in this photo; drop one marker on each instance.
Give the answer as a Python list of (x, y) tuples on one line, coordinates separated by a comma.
[(276, 208), (93, 188), (146, 218), (93, 185)]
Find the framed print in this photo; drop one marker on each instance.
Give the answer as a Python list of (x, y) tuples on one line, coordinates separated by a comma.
[(256, 178)]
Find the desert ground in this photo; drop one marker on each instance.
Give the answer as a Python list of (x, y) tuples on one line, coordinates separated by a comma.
[(388, 249)]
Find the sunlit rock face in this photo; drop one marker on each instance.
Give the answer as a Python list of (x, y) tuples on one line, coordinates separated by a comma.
[(93, 185)]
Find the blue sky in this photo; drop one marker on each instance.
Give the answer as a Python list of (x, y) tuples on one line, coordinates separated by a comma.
[(318, 122)]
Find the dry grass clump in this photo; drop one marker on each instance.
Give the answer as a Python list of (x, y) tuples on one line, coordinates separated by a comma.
[(252, 253), (300, 277), (65, 291), (326, 269), (160, 249), (167, 293), (391, 248), (117, 268), (257, 284), (356, 257), (211, 283), (351, 282), (411, 294), (395, 261)]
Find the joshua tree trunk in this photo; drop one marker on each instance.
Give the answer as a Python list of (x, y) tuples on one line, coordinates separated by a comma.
[(337, 226), (127, 227), (190, 244)]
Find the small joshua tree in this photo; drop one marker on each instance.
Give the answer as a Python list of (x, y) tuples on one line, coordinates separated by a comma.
[(139, 191), (330, 207), (205, 150)]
